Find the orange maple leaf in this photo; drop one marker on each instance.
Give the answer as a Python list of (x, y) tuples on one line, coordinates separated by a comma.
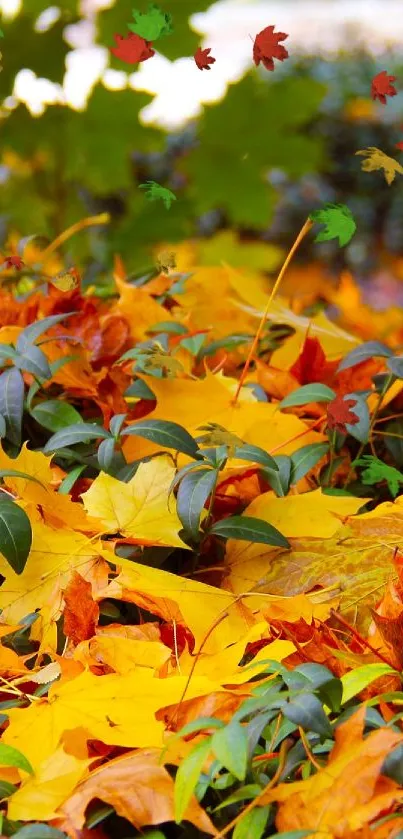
[(81, 612)]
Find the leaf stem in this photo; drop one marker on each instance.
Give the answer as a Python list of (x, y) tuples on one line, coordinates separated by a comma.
[(102, 218), (301, 235)]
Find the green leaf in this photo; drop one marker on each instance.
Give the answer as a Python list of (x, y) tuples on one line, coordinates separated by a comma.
[(43, 52), (154, 192), (245, 793), (358, 679), (307, 711), (70, 479), (15, 534), (115, 425), (79, 432), (376, 471), (252, 825), (194, 490), (39, 831), (182, 41), (188, 776), (369, 349), (106, 452), (6, 789), (226, 145), (12, 402), (28, 335), (249, 529), (34, 361), (396, 366), (292, 834), (15, 473), (170, 435), (279, 481), (13, 757), (3, 427), (230, 746), (339, 223), (153, 24), (256, 455), (305, 459), (315, 392), (360, 430), (229, 343), (55, 415)]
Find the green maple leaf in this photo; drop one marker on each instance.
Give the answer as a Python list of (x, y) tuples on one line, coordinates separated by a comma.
[(339, 223), (376, 470), (155, 191), (152, 24)]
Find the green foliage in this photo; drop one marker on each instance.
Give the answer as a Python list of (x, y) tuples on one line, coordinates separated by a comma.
[(376, 471), (152, 24), (338, 223), (15, 535), (154, 191)]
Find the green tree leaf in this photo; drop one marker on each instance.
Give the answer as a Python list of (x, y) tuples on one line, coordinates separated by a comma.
[(187, 777), (305, 459), (307, 711), (249, 529), (12, 402), (376, 471), (152, 24), (358, 679), (369, 349), (194, 490), (9, 756), (154, 192), (230, 746), (252, 824), (339, 223), (39, 831), (315, 392), (170, 435), (15, 534), (80, 432), (55, 415)]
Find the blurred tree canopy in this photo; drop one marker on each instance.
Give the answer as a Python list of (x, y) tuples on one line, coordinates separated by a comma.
[(71, 164)]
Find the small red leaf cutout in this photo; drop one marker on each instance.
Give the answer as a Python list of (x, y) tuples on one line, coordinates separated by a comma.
[(203, 59), (339, 413), (14, 262), (132, 49), (382, 86), (266, 47), (400, 145)]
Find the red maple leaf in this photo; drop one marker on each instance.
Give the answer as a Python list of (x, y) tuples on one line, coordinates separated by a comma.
[(203, 59), (339, 413), (400, 145), (312, 365), (132, 49), (382, 86), (14, 262), (266, 47)]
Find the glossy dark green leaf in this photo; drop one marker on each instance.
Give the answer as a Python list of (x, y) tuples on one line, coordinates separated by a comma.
[(249, 529), (256, 455), (169, 435), (307, 711), (194, 490), (80, 432), (29, 335), (3, 427), (395, 366), (279, 480), (6, 789), (15, 534), (231, 342), (360, 430), (315, 392), (115, 425), (12, 402), (34, 361), (106, 451), (246, 793), (55, 415), (303, 460), (370, 349)]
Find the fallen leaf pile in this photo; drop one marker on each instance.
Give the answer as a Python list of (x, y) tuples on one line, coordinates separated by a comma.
[(199, 550)]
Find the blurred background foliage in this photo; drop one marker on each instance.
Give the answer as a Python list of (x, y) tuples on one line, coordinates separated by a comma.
[(276, 146)]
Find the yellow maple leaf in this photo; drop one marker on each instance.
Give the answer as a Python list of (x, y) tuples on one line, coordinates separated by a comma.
[(116, 709), (377, 159), (41, 794), (209, 400), (139, 508)]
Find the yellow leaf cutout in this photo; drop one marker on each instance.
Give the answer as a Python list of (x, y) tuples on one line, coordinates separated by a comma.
[(139, 508), (377, 159)]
